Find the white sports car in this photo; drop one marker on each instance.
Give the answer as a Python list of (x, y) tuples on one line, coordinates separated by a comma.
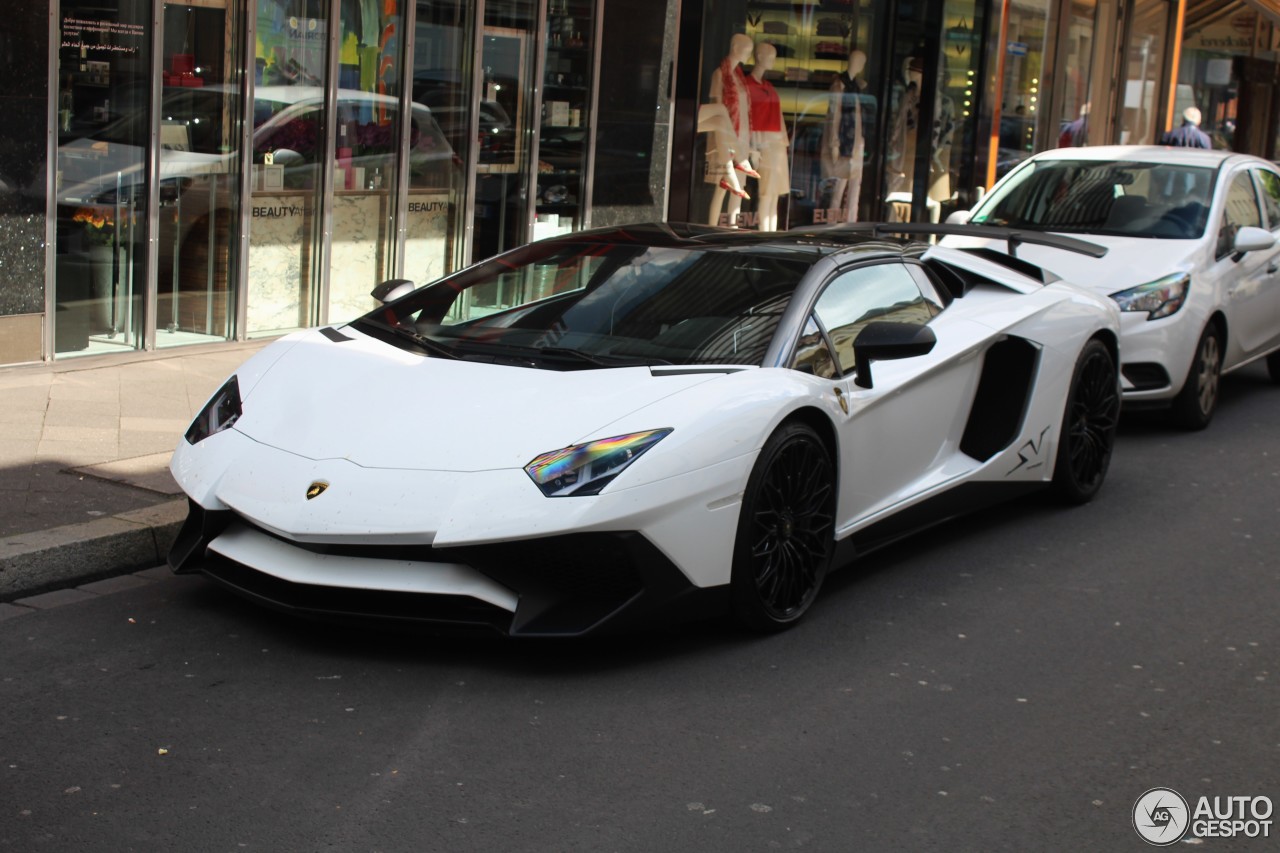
[(651, 422), (1193, 263)]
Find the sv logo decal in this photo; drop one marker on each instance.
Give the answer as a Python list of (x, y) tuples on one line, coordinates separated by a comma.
[(1029, 454)]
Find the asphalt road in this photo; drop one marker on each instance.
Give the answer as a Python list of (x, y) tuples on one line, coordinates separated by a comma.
[(1011, 681)]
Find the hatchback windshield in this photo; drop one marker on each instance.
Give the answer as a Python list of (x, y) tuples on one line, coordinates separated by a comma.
[(564, 306), (1103, 197)]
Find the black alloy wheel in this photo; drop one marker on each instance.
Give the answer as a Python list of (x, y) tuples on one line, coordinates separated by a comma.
[(786, 530), (1089, 425), (1195, 404)]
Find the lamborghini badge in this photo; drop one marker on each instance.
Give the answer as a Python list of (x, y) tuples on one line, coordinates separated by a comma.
[(316, 489)]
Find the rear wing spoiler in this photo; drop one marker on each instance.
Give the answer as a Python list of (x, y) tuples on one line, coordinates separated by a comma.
[(1013, 236)]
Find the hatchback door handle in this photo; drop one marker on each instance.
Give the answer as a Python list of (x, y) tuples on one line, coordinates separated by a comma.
[(1273, 268)]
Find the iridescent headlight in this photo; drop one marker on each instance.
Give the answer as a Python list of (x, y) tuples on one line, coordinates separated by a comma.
[(585, 469), (222, 410), (1158, 298)]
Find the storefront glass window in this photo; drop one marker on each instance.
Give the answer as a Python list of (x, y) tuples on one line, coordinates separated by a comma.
[(1144, 69), (104, 85), (955, 140), (1073, 98), (1021, 100), (441, 139), (288, 149), (508, 60), (370, 57), (789, 117), (201, 108)]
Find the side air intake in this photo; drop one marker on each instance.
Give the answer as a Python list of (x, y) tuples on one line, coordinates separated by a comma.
[(999, 407)]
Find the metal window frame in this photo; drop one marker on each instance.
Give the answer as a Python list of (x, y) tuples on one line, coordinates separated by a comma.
[(248, 92), (151, 264), (589, 171), (47, 342), (473, 130), (538, 37), (399, 210)]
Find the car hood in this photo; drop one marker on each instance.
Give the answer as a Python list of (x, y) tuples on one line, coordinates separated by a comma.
[(378, 406), (1129, 261)]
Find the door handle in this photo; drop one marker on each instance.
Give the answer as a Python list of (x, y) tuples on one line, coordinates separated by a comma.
[(1273, 268)]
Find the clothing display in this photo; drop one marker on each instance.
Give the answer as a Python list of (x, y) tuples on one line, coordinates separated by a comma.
[(729, 88), (768, 138)]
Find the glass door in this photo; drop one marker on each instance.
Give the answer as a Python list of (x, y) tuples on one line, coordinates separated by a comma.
[(288, 150), (566, 116), (201, 106), (503, 185), (369, 127), (101, 186), (440, 139)]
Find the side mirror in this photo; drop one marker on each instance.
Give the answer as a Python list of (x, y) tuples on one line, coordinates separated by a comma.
[(286, 157), (392, 289), (958, 217), (1250, 238), (882, 341)]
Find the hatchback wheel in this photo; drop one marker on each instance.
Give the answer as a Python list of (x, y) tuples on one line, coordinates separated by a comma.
[(1273, 367), (1194, 406)]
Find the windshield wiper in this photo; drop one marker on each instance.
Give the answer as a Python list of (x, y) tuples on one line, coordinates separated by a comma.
[(421, 340), (598, 360)]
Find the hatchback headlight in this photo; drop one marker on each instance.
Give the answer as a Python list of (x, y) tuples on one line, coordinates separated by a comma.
[(585, 469), (222, 410), (1158, 298)]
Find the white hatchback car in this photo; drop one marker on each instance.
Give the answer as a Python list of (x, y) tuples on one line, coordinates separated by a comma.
[(1192, 260)]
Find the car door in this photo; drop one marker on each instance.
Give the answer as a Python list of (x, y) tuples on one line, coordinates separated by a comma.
[(1246, 285), (1267, 303), (897, 433)]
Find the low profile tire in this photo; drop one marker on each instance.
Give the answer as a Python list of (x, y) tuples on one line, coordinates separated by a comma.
[(1088, 425), (1273, 367), (1195, 404), (786, 530)]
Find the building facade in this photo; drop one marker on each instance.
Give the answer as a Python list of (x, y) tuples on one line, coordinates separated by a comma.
[(185, 173)]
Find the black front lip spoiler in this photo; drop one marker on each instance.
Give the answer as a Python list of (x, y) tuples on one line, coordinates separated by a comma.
[(567, 586)]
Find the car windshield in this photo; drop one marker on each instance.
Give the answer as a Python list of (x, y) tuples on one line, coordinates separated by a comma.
[(1161, 200), (583, 305)]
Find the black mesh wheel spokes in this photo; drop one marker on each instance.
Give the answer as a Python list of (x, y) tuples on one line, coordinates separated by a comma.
[(1094, 414), (792, 527)]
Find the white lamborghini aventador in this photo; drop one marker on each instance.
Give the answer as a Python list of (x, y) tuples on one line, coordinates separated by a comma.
[(644, 423)]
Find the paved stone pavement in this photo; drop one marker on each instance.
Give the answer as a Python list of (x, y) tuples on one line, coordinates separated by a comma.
[(85, 488)]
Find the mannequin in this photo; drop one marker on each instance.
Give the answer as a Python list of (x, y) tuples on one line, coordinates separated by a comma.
[(900, 176), (844, 137), (769, 139), (728, 153), (902, 142)]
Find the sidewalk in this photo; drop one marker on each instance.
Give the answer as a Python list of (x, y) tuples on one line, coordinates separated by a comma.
[(85, 489)]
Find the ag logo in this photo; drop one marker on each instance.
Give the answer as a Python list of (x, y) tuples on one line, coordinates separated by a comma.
[(316, 489), (1161, 817)]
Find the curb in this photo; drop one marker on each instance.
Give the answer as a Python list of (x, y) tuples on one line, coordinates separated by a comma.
[(32, 563)]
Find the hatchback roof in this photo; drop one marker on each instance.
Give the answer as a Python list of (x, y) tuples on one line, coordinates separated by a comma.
[(1211, 158)]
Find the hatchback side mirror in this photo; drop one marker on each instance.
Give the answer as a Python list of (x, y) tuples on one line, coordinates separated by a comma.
[(959, 217), (883, 340), (1250, 238), (392, 289)]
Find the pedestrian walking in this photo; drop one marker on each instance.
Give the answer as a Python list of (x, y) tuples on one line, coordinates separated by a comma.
[(1189, 135)]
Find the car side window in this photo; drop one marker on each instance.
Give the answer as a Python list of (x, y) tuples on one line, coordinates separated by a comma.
[(812, 353), (860, 296), (1241, 210), (1270, 196)]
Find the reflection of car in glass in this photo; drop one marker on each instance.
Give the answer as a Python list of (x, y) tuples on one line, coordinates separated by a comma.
[(444, 93), (1193, 261), (648, 422), (287, 125)]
